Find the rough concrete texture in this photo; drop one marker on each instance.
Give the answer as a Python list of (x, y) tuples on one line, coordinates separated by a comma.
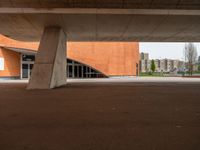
[(104, 27), (161, 4), (49, 70), (103, 20), (101, 116)]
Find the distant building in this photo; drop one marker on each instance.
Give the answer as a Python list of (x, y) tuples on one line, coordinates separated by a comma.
[(181, 66), (145, 63), (176, 64), (199, 63), (157, 64), (162, 65), (144, 56)]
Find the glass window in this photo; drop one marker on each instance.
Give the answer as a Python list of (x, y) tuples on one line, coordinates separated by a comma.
[(69, 61), (1, 63), (24, 70)]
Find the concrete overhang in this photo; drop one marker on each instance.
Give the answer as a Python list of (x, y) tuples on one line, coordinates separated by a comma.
[(125, 4), (21, 50), (121, 20)]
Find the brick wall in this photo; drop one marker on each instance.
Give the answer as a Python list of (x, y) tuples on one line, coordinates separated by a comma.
[(11, 63), (110, 58)]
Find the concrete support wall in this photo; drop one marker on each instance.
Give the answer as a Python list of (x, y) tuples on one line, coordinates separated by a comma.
[(49, 70)]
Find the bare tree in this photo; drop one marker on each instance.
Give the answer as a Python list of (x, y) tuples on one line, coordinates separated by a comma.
[(190, 52)]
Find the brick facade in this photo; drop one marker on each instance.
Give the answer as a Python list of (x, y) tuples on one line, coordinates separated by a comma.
[(11, 63), (110, 58)]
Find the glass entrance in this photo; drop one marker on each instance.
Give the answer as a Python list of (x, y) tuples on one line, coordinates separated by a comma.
[(26, 70), (79, 70), (27, 65), (74, 69)]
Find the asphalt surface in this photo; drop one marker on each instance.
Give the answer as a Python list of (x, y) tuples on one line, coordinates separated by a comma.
[(101, 116)]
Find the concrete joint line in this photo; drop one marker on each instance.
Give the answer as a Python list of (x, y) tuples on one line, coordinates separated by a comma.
[(54, 59), (8, 10)]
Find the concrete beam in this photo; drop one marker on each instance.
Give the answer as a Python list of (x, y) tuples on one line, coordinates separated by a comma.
[(49, 70), (141, 4), (131, 25), (102, 11)]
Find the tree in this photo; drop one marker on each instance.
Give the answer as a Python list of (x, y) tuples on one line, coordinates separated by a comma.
[(190, 52), (153, 66), (199, 63)]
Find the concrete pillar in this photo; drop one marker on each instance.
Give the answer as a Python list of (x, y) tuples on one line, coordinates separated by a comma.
[(49, 70)]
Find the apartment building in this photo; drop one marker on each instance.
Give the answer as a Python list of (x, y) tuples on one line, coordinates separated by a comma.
[(162, 65)]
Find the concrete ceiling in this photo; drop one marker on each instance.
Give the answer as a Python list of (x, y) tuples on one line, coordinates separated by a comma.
[(103, 20), (141, 4)]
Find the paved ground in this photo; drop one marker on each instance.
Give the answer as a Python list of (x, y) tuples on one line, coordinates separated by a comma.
[(91, 115), (123, 80)]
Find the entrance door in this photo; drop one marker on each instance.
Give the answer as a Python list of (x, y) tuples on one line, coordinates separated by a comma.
[(26, 70)]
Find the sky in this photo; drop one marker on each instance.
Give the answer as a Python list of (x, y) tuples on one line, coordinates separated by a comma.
[(165, 50)]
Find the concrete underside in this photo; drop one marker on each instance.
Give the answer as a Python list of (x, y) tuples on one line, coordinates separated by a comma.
[(103, 20), (101, 116), (143, 27), (156, 4)]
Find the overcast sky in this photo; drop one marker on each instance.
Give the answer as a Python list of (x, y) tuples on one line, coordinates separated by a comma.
[(165, 50)]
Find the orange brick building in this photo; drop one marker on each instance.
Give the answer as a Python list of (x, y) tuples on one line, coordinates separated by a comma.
[(85, 59)]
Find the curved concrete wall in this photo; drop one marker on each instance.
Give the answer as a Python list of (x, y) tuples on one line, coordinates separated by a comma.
[(110, 58)]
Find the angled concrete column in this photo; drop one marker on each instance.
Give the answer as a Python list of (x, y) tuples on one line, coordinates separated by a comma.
[(49, 70)]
